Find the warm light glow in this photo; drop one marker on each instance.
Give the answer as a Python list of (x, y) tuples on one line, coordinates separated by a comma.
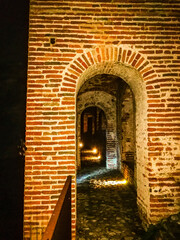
[(94, 150), (92, 159), (99, 157), (80, 144), (87, 151), (107, 183)]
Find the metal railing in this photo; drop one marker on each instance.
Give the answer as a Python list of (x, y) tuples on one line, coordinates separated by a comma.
[(59, 226)]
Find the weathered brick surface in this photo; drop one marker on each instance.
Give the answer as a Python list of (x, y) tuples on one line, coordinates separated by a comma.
[(72, 41)]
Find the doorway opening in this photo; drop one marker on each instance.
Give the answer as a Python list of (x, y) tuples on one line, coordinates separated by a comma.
[(93, 137), (106, 118), (106, 151)]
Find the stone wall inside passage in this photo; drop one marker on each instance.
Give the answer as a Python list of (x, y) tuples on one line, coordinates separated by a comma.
[(127, 133), (73, 41)]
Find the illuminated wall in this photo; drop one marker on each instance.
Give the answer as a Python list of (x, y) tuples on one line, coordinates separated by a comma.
[(73, 41)]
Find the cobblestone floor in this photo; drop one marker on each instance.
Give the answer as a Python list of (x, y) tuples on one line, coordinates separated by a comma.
[(108, 212)]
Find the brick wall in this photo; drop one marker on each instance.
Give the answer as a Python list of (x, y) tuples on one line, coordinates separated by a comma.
[(73, 41)]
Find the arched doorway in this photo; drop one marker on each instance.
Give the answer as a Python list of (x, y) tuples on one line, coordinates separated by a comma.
[(134, 70), (105, 102), (93, 137), (114, 96), (116, 99)]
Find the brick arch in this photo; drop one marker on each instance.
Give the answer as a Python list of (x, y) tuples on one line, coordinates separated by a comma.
[(96, 99), (102, 60), (138, 73)]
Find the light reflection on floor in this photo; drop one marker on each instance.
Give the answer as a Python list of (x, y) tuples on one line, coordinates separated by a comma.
[(84, 176), (107, 183), (107, 212)]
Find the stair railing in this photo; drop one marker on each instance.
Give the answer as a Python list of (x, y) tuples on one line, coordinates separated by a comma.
[(59, 226)]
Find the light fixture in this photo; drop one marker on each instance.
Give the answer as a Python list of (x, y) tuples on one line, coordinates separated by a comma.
[(80, 144), (94, 150)]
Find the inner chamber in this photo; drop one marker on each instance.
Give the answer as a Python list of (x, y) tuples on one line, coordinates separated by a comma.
[(106, 122)]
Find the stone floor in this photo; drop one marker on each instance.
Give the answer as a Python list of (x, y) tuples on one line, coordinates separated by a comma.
[(106, 212)]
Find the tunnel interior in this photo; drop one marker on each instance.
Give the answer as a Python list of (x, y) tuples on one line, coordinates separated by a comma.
[(106, 153), (106, 122), (93, 137)]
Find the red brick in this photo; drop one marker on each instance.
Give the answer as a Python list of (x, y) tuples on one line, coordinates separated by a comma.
[(85, 38)]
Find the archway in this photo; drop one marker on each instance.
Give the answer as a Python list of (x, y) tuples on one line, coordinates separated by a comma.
[(93, 137), (110, 93), (133, 68), (135, 81), (96, 98)]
